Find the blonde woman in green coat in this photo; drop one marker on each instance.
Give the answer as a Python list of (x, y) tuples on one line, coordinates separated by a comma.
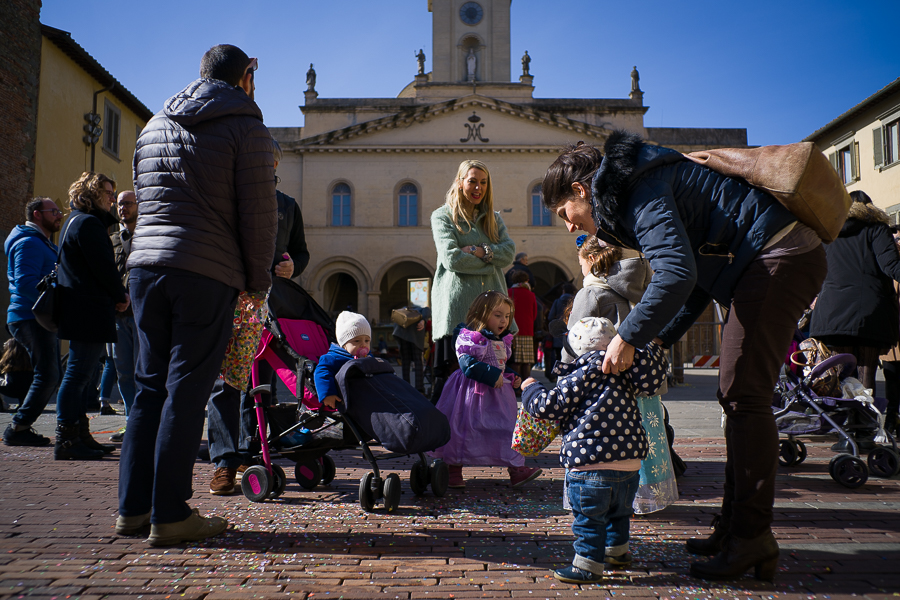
[(473, 248)]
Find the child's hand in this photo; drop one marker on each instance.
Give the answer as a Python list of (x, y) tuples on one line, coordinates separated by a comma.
[(331, 401), (500, 382), (528, 382), (517, 382)]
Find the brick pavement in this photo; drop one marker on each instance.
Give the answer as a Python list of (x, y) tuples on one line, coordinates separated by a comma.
[(57, 540)]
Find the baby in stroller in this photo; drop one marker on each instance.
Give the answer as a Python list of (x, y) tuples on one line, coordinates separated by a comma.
[(354, 339)]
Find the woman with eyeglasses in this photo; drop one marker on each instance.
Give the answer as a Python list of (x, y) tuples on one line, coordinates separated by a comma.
[(90, 292), (707, 236)]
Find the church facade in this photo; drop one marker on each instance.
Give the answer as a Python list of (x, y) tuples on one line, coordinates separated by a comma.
[(368, 172)]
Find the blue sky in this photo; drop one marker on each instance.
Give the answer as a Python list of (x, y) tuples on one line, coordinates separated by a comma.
[(780, 69)]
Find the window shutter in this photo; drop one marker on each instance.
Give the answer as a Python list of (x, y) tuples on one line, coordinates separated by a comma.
[(832, 158), (878, 146), (854, 161)]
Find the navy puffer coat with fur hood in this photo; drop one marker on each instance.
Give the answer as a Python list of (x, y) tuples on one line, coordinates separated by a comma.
[(700, 230)]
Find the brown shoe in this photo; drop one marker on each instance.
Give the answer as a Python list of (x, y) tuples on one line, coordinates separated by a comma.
[(240, 473), (192, 529), (222, 483)]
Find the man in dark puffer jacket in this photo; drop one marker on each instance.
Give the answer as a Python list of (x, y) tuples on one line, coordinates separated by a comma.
[(207, 216)]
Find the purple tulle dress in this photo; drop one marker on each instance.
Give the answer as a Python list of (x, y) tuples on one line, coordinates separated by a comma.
[(482, 417)]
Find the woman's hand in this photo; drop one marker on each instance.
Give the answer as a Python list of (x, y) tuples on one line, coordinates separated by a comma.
[(619, 356), (499, 382), (420, 325), (477, 251)]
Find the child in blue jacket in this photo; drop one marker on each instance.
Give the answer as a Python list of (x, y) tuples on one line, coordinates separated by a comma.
[(603, 442), (354, 335)]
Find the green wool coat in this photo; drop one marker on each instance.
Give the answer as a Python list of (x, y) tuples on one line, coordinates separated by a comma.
[(460, 277)]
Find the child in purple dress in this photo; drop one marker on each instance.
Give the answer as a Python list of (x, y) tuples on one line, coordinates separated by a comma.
[(478, 399)]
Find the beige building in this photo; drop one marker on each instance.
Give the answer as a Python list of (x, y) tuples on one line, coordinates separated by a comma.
[(74, 86), (863, 144), (368, 172)]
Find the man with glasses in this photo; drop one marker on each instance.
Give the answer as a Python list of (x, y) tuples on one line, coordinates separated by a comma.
[(126, 336), (207, 217), (31, 255)]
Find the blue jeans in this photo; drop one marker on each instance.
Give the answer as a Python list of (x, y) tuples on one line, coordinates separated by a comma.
[(232, 421), (43, 349), (123, 356), (601, 502), (108, 378), (84, 362), (183, 324)]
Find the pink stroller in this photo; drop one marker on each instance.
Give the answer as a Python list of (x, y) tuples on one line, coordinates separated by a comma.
[(298, 331)]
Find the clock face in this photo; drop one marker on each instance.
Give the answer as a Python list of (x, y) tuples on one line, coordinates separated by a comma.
[(471, 13)]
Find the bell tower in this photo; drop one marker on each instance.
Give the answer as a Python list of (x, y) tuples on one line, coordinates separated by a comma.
[(470, 41)]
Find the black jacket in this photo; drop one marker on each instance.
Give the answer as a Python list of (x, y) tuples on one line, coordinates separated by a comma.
[(204, 176), (291, 238), (699, 229), (89, 283), (857, 304)]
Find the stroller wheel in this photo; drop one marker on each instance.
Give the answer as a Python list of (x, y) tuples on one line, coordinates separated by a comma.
[(802, 451), (391, 492), (366, 493), (256, 483), (849, 471), (308, 474), (419, 478), (279, 482), (440, 477), (791, 453), (884, 462), (329, 470)]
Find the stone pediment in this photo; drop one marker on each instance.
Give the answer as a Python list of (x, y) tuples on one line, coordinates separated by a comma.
[(473, 123)]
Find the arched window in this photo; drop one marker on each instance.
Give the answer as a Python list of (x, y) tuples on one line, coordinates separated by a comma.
[(340, 205), (408, 205), (540, 214)]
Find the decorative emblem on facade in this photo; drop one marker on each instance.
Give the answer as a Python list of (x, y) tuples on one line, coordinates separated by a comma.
[(474, 128)]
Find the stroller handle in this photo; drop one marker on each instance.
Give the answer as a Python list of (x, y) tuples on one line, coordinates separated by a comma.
[(846, 360)]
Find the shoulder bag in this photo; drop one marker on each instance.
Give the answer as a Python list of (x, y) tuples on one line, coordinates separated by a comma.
[(797, 175), (44, 308)]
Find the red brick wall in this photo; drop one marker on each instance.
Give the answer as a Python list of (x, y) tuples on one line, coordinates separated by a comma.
[(20, 67)]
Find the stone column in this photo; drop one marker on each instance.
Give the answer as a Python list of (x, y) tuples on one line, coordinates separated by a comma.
[(373, 305)]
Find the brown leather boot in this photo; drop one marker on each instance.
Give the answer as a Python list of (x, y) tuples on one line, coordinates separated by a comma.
[(738, 556), (710, 545)]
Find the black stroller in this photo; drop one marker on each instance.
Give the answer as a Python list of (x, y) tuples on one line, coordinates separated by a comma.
[(297, 332), (799, 411)]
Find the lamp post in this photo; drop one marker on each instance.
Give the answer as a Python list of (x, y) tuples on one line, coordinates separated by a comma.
[(92, 127)]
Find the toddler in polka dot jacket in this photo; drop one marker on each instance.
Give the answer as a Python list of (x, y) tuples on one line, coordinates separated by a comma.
[(603, 444)]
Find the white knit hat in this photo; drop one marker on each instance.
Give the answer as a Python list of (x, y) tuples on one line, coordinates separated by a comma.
[(349, 325)]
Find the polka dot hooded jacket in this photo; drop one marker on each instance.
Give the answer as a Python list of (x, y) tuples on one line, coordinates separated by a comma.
[(598, 414)]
